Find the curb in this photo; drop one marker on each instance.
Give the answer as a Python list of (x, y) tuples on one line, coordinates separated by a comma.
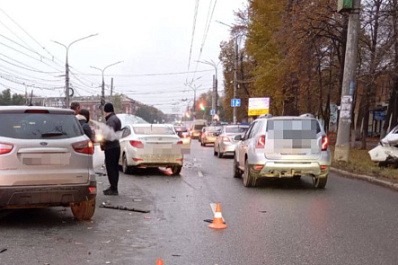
[(370, 179)]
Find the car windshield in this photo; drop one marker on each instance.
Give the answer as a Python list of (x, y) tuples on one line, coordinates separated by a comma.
[(236, 129), (39, 126), (153, 130)]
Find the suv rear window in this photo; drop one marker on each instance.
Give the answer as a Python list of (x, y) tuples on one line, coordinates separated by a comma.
[(293, 129), (39, 126)]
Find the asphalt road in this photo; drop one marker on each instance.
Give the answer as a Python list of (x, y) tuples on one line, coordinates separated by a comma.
[(279, 222)]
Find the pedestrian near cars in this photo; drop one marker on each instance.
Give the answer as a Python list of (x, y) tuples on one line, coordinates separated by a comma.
[(75, 106), (112, 150), (84, 118)]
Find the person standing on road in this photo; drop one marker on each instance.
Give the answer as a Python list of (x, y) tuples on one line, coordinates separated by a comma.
[(112, 150), (84, 118), (75, 106)]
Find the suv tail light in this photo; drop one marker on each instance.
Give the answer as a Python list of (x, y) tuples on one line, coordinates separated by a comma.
[(137, 144), (260, 142), (5, 148), (84, 147), (325, 143), (179, 142)]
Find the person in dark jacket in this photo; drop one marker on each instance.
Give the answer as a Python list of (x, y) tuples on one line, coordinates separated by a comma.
[(84, 117), (112, 150)]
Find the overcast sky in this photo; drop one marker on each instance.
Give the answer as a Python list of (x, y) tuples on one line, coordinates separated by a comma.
[(155, 40)]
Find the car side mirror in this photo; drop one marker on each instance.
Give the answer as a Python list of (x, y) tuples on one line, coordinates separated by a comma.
[(238, 137)]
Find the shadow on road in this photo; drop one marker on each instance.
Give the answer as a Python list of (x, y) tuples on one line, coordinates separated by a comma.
[(37, 218)]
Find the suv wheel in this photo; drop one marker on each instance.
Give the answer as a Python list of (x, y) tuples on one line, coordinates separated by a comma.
[(84, 210), (319, 182), (237, 173), (176, 170), (248, 179)]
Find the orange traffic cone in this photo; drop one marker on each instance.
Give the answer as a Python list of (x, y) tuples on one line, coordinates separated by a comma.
[(159, 262), (218, 221)]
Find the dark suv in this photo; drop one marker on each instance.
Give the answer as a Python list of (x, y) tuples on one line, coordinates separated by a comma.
[(45, 160)]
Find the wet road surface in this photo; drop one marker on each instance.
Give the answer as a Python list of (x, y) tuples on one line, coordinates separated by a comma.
[(279, 222)]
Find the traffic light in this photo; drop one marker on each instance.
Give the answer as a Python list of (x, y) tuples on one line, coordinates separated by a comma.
[(202, 107)]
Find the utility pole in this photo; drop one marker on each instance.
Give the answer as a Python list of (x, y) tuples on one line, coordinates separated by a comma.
[(102, 103), (235, 79), (111, 86), (342, 148), (214, 95)]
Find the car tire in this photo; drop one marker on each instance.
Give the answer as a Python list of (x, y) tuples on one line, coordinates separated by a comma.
[(176, 170), (215, 152), (248, 179), (125, 168), (84, 210), (237, 173), (319, 182), (220, 154)]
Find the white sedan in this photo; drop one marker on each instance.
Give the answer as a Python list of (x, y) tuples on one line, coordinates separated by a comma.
[(150, 145)]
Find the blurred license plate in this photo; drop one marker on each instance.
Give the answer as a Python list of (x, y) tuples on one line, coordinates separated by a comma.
[(45, 159)]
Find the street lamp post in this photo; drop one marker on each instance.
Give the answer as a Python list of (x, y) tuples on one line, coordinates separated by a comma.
[(67, 66), (215, 85), (103, 81), (235, 69)]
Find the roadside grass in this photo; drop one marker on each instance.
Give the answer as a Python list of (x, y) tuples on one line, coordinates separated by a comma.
[(360, 163)]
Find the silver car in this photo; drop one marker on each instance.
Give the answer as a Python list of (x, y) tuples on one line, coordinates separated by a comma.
[(225, 142), (283, 147), (150, 145), (45, 160)]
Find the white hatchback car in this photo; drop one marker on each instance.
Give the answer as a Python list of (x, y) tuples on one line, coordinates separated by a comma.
[(150, 145), (45, 160), (283, 147)]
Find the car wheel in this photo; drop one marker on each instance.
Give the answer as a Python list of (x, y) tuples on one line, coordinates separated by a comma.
[(126, 168), (84, 210), (176, 170), (319, 182), (215, 152), (237, 173), (220, 155), (248, 179)]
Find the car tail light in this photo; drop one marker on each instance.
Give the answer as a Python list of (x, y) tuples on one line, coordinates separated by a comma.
[(179, 142), (226, 139), (84, 147), (260, 142), (137, 144), (325, 143), (180, 159), (137, 159), (92, 190), (323, 167), (5, 148)]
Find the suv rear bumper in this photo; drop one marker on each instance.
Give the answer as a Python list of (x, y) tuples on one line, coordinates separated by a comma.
[(280, 169), (45, 196)]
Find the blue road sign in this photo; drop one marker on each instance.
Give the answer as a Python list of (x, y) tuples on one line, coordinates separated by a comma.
[(212, 112), (235, 102)]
